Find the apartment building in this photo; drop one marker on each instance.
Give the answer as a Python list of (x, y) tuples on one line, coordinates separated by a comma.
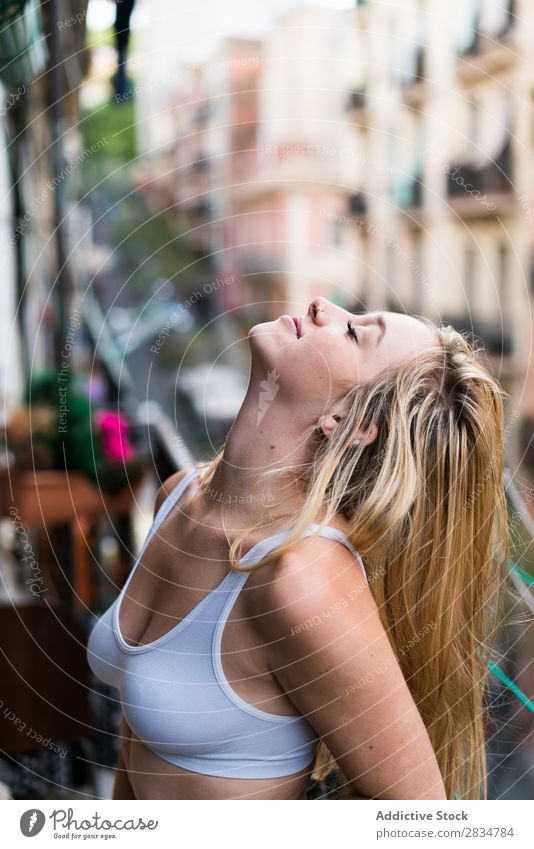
[(441, 109), (287, 236), (381, 156), (232, 80)]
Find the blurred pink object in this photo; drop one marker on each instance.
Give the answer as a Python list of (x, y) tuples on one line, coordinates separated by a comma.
[(114, 432)]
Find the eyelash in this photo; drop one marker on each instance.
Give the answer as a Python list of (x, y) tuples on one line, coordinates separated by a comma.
[(351, 331)]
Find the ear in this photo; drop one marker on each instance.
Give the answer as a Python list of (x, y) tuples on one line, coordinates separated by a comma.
[(327, 424), (366, 437)]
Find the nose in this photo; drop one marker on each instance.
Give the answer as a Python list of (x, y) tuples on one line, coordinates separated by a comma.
[(318, 311)]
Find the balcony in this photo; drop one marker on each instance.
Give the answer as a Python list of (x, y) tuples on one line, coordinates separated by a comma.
[(394, 304), (257, 261), (200, 210), (478, 190), (304, 169), (489, 44), (358, 304), (358, 105), (412, 80), (496, 337), (357, 99), (357, 205), (201, 165), (202, 114)]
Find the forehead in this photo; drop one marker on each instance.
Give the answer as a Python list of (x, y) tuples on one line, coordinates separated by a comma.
[(397, 321), (405, 331), (411, 328)]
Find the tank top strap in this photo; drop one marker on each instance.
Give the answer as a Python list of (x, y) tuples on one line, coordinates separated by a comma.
[(172, 498), (336, 533), (264, 546), (161, 514)]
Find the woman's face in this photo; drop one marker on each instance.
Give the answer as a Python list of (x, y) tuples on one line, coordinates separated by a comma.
[(319, 355)]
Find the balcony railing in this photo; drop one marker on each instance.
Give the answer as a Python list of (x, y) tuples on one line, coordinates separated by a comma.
[(494, 178), (203, 113), (201, 165), (416, 72), (357, 204), (486, 47), (357, 99), (496, 337), (201, 210)]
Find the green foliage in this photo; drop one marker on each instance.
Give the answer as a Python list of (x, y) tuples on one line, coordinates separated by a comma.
[(114, 123), (100, 37), (156, 249), (74, 442), (77, 440)]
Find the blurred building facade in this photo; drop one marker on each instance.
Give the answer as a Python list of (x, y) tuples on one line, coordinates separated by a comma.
[(380, 156), (230, 143), (442, 117), (288, 249)]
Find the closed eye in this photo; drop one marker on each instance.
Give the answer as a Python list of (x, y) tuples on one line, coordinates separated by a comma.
[(351, 331)]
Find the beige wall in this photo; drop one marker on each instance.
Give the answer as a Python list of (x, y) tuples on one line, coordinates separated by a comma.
[(432, 247), (442, 258)]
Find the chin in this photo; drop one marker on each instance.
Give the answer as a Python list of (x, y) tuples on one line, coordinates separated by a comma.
[(265, 333), (255, 334), (256, 328), (266, 342)]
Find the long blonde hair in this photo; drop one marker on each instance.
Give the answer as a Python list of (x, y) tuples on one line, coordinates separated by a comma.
[(426, 509)]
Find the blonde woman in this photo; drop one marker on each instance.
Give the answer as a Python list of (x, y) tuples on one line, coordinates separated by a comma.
[(321, 597)]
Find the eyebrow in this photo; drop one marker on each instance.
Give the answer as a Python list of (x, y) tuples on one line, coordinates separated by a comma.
[(381, 321)]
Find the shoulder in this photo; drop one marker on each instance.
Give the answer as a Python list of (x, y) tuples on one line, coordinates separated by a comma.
[(167, 487), (327, 649), (318, 580)]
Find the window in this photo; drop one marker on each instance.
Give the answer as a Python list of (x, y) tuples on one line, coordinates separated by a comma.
[(335, 232), (502, 279), (417, 274)]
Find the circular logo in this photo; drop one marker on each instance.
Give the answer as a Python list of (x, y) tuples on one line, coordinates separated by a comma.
[(31, 822)]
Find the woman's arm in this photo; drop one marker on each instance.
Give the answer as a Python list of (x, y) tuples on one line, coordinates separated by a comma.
[(122, 789), (331, 655)]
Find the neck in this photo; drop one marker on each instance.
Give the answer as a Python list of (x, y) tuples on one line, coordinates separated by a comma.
[(267, 432)]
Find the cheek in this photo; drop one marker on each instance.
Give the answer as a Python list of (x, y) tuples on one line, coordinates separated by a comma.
[(354, 367), (315, 361), (347, 363), (304, 372), (328, 369)]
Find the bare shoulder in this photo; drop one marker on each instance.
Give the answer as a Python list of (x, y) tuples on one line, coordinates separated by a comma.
[(327, 648), (167, 487), (319, 577)]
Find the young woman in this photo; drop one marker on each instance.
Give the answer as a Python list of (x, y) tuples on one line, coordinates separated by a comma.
[(327, 588)]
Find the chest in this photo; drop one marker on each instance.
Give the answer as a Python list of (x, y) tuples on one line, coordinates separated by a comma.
[(184, 597), (178, 573)]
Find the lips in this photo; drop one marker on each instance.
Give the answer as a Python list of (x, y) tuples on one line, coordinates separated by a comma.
[(298, 325)]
